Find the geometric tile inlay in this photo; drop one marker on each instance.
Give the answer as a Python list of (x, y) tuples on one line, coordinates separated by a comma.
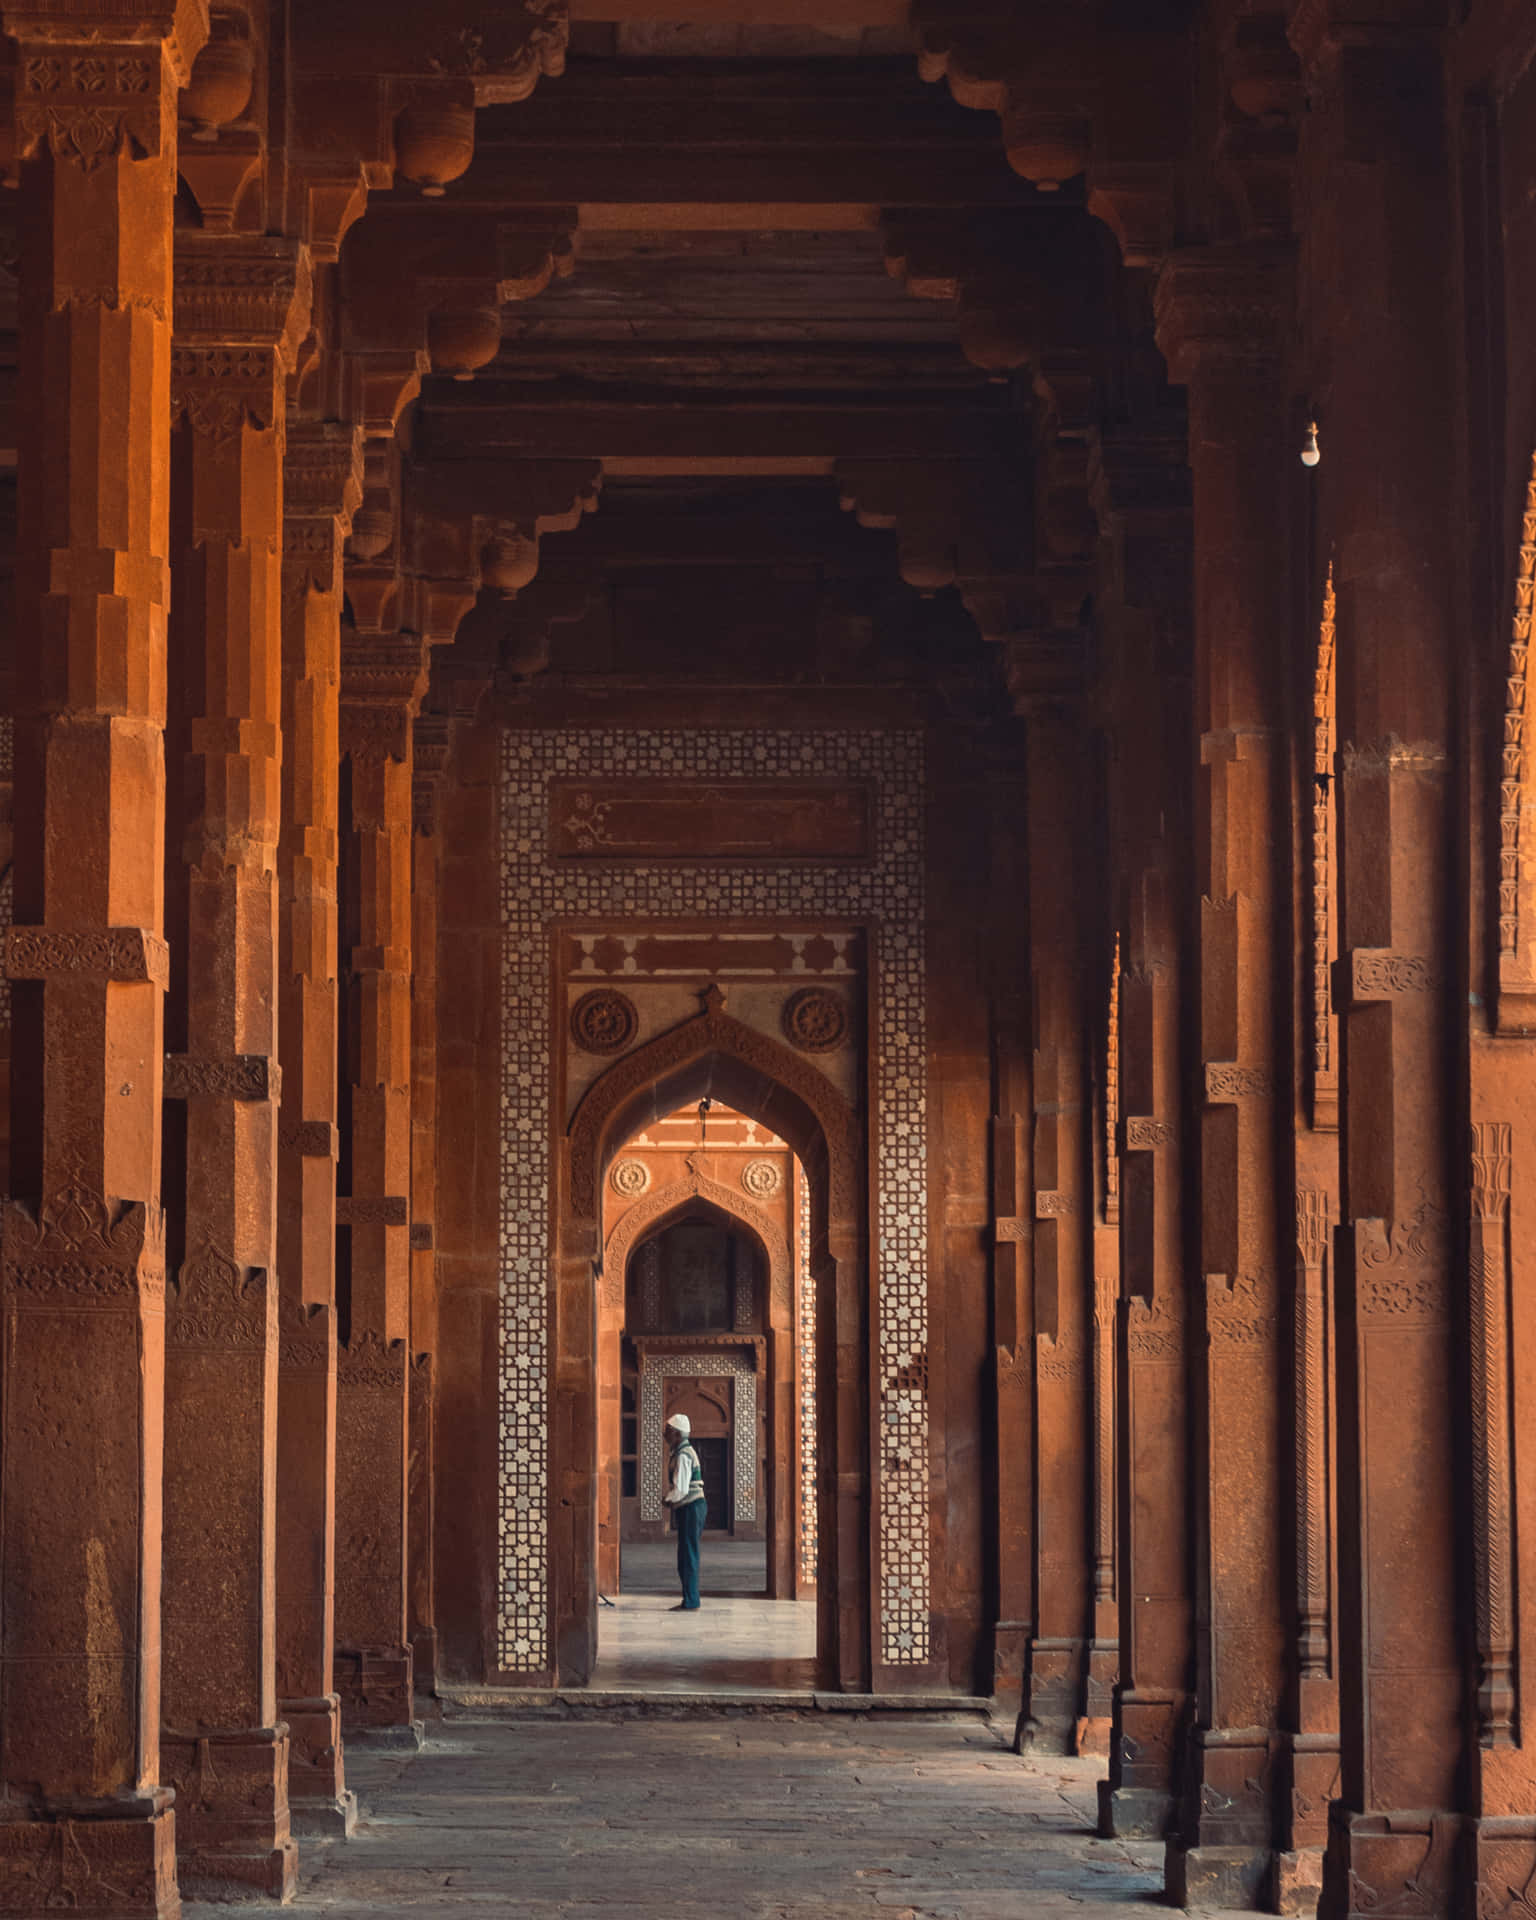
[(886, 895), (656, 1367)]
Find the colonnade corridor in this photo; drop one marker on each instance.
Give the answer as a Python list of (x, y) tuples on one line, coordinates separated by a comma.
[(808, 717)]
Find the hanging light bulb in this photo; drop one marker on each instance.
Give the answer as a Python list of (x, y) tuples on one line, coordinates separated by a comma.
[(1310, 454)]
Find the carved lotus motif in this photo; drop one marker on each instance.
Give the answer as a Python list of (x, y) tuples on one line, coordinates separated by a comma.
[(630, 1178), (761, 1178), (816, 1020), (604, 1021)]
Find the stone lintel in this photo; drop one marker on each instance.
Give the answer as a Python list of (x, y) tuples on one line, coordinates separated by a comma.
[(128, 955), (244, 1076), (386, 1210)]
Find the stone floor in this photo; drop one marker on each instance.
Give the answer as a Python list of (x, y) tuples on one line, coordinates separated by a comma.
[(741, 1817), (725, 1566), (729, 1644)]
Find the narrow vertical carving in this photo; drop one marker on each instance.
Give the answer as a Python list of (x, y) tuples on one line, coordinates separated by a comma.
[(1312, 1224), (1512, 776), (1104, 1438), (1112, 1098), (1325, 1071), (1488, 1287)]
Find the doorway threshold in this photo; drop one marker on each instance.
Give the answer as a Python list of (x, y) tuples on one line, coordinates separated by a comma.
[(475, 1703)]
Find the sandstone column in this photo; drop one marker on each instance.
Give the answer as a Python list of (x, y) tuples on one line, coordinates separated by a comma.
[(1061, 812), (241, 307), (323, 480), (382, 681), (1219, 314), (1380, 228), (1142, 490), (86, 1823), (431, 739)]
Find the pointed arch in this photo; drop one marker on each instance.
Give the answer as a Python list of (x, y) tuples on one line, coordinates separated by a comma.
[(656, 1211)]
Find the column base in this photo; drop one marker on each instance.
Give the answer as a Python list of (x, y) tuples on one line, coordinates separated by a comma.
[(233, 1839), (96, 1859), (1216, 1878), (318, 1801), (424, 1659), (1010, 1654), (1504, 1861), (1222, 1855), (1387, 1865), (1135, 1813), (1094, 1729), (1298, 1883), (377, 1693), (1053, 1691)]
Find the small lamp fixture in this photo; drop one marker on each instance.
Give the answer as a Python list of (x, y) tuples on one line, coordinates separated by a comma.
[(704, 1106), (1310, 453)]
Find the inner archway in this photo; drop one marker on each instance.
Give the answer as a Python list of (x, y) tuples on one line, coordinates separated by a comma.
[(717, 1058)]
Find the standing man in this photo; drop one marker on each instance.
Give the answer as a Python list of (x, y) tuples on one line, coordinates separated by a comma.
[(686, 1499)]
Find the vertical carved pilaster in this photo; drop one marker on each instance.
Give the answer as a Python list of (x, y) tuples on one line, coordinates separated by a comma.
[(1325, 1064), (1112, 1098), (1311, 1389), (1104, 1285), (1488, 1288)]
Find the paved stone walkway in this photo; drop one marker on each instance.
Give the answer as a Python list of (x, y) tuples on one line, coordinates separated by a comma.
[(737, 1818), (737, 1644)]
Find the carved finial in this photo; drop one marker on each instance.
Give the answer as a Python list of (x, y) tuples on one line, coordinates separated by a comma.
[(712, 1000)]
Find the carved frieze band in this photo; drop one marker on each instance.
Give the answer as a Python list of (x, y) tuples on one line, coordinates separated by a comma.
[(1152, 1333), (306, 1337), (310, 1139), (130, 955), (1225, 1080), (80, 1250), (1145, 1135), (1239, 1309), (1377, 973), (1402, 1275), (90, 105), (247, 1076), (1313, 1213), (1492, 1514), (1055, 1206), (1009, 1229), (382, 1210)]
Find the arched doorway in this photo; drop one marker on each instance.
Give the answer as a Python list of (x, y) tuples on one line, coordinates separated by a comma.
[(717, 1057), (739, 1318)]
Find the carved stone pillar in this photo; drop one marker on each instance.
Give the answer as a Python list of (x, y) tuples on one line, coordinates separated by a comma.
[(1142, 490), (1061, 816), (1013, 1225), (1377, 184), (1094, 1729), (432, 734), (1219, 316), (323, 481), (84, 1822), (241, 307), (382, 679)]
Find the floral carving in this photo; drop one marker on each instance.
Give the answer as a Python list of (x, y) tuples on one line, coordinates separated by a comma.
[(815, 1020), (247, 1076), (373, 1210), (1379, 974), (220, 1304), (370, 1361), (604, 1021), (630, 1178), (310, 1139), (132, 955), (1055, 1206), (762, 1178), (1152, 1334), (1226, 1081), (1143, 1135), (306, 1336), (78, 1249)]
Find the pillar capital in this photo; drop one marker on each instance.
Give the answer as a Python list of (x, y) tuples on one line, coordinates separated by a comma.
[(1222, 312), (242, 307), (87, 77), (322, 489)]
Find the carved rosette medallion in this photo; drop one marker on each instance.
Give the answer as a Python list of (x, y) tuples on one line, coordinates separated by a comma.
[(762, 1178), (630, 1178), (604, 1021), (815, 1020)]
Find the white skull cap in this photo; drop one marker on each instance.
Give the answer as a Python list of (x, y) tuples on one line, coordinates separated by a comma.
[(681, 1422)]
